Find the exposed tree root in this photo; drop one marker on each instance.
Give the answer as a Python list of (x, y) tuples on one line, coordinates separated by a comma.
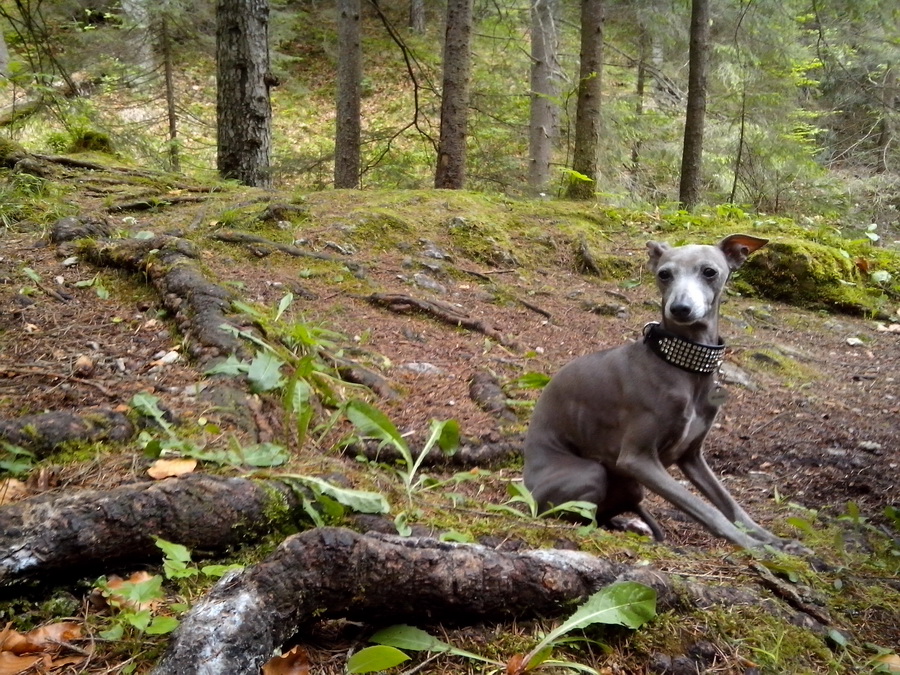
[(381, 579), (198, 304), (91, 530), (400, 304), (232, 237), (486, 392), (44, 432), (471, 453)]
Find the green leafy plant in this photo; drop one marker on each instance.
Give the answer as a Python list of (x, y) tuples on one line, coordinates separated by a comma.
[(627, 604), (259, 455), (321, 499), (15, 460), (374, 424), (142, 605), (519, 494)]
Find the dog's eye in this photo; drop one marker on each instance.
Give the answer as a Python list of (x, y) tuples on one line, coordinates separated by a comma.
[(664, 275), (710, 272)]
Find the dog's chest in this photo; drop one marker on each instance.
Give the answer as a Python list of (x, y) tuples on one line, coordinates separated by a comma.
[(686, 429)]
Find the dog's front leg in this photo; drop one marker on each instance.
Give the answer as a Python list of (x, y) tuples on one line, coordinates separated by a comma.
[(639, 460), (695, 468)]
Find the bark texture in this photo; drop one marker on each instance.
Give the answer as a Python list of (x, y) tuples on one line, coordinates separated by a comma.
[(349, 78), (544, 92), (451, 164), (243, 106), (92, 530), (382, 579), (587, 114), (44, 432), (692, 153)]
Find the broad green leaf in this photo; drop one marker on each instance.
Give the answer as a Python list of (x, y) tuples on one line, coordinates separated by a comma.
[(264, 373), (31, 274), (531, 381), (457, 536), (162, 625), (113, 633), (173, 551), (283, 305), (447, 435), (217, 571), (627, 603), (409, 637), (148, 406), (231, 366), (372, 423), (372, 659), (263, 455), (139, 620), (358, 500), (417, 640)]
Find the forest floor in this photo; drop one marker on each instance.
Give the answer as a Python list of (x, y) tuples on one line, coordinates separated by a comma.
[(814, 397)]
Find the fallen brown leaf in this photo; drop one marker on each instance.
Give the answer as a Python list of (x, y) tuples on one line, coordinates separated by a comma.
[(45, 638), (166, 468), (12, 490), (10, 664), (889, 663), (515, 665), (295, 662)]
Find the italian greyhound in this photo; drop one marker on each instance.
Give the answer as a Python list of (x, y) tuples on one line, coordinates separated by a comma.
[(609, 423)]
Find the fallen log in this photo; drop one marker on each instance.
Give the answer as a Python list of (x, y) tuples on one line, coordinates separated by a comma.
[(91, 530), (382, 579)]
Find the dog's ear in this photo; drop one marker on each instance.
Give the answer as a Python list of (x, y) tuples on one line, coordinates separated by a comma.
[(656, 249), (738, 246)]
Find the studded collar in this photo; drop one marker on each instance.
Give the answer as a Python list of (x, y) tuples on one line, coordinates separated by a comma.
[(694, 357)]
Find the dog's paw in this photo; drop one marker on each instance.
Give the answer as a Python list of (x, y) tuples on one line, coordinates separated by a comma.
[(631, 524)]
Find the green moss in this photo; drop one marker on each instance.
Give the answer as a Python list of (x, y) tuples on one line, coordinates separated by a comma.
[(382, 230), (774, 362), (808, 275)]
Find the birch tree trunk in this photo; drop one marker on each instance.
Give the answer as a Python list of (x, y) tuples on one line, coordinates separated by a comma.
[(243, 106), (451, 163), (587, 114)]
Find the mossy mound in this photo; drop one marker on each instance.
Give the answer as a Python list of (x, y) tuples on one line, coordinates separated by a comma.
[(809, 275)]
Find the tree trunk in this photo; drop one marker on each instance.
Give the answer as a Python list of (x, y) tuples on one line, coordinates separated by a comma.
[(349, 76), (243, 107), (587, 114), (417, 16), (451, 163), (166, 48), (692, 154), (640, 86), (544, 92), (886, 135)]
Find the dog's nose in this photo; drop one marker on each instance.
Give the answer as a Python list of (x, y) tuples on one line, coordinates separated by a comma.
[(680, 311)]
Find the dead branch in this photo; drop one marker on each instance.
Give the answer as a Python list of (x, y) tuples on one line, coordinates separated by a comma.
[(400, 304), (381, 579), (486, 392)]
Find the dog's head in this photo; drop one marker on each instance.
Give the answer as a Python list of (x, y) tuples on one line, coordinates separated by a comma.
[(691, 278)]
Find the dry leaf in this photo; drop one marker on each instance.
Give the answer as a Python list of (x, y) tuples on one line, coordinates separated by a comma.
[(10, 664), (166, 468), (889, 662), (516, 665), (295, 662), (12, 490), (43, 639)]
